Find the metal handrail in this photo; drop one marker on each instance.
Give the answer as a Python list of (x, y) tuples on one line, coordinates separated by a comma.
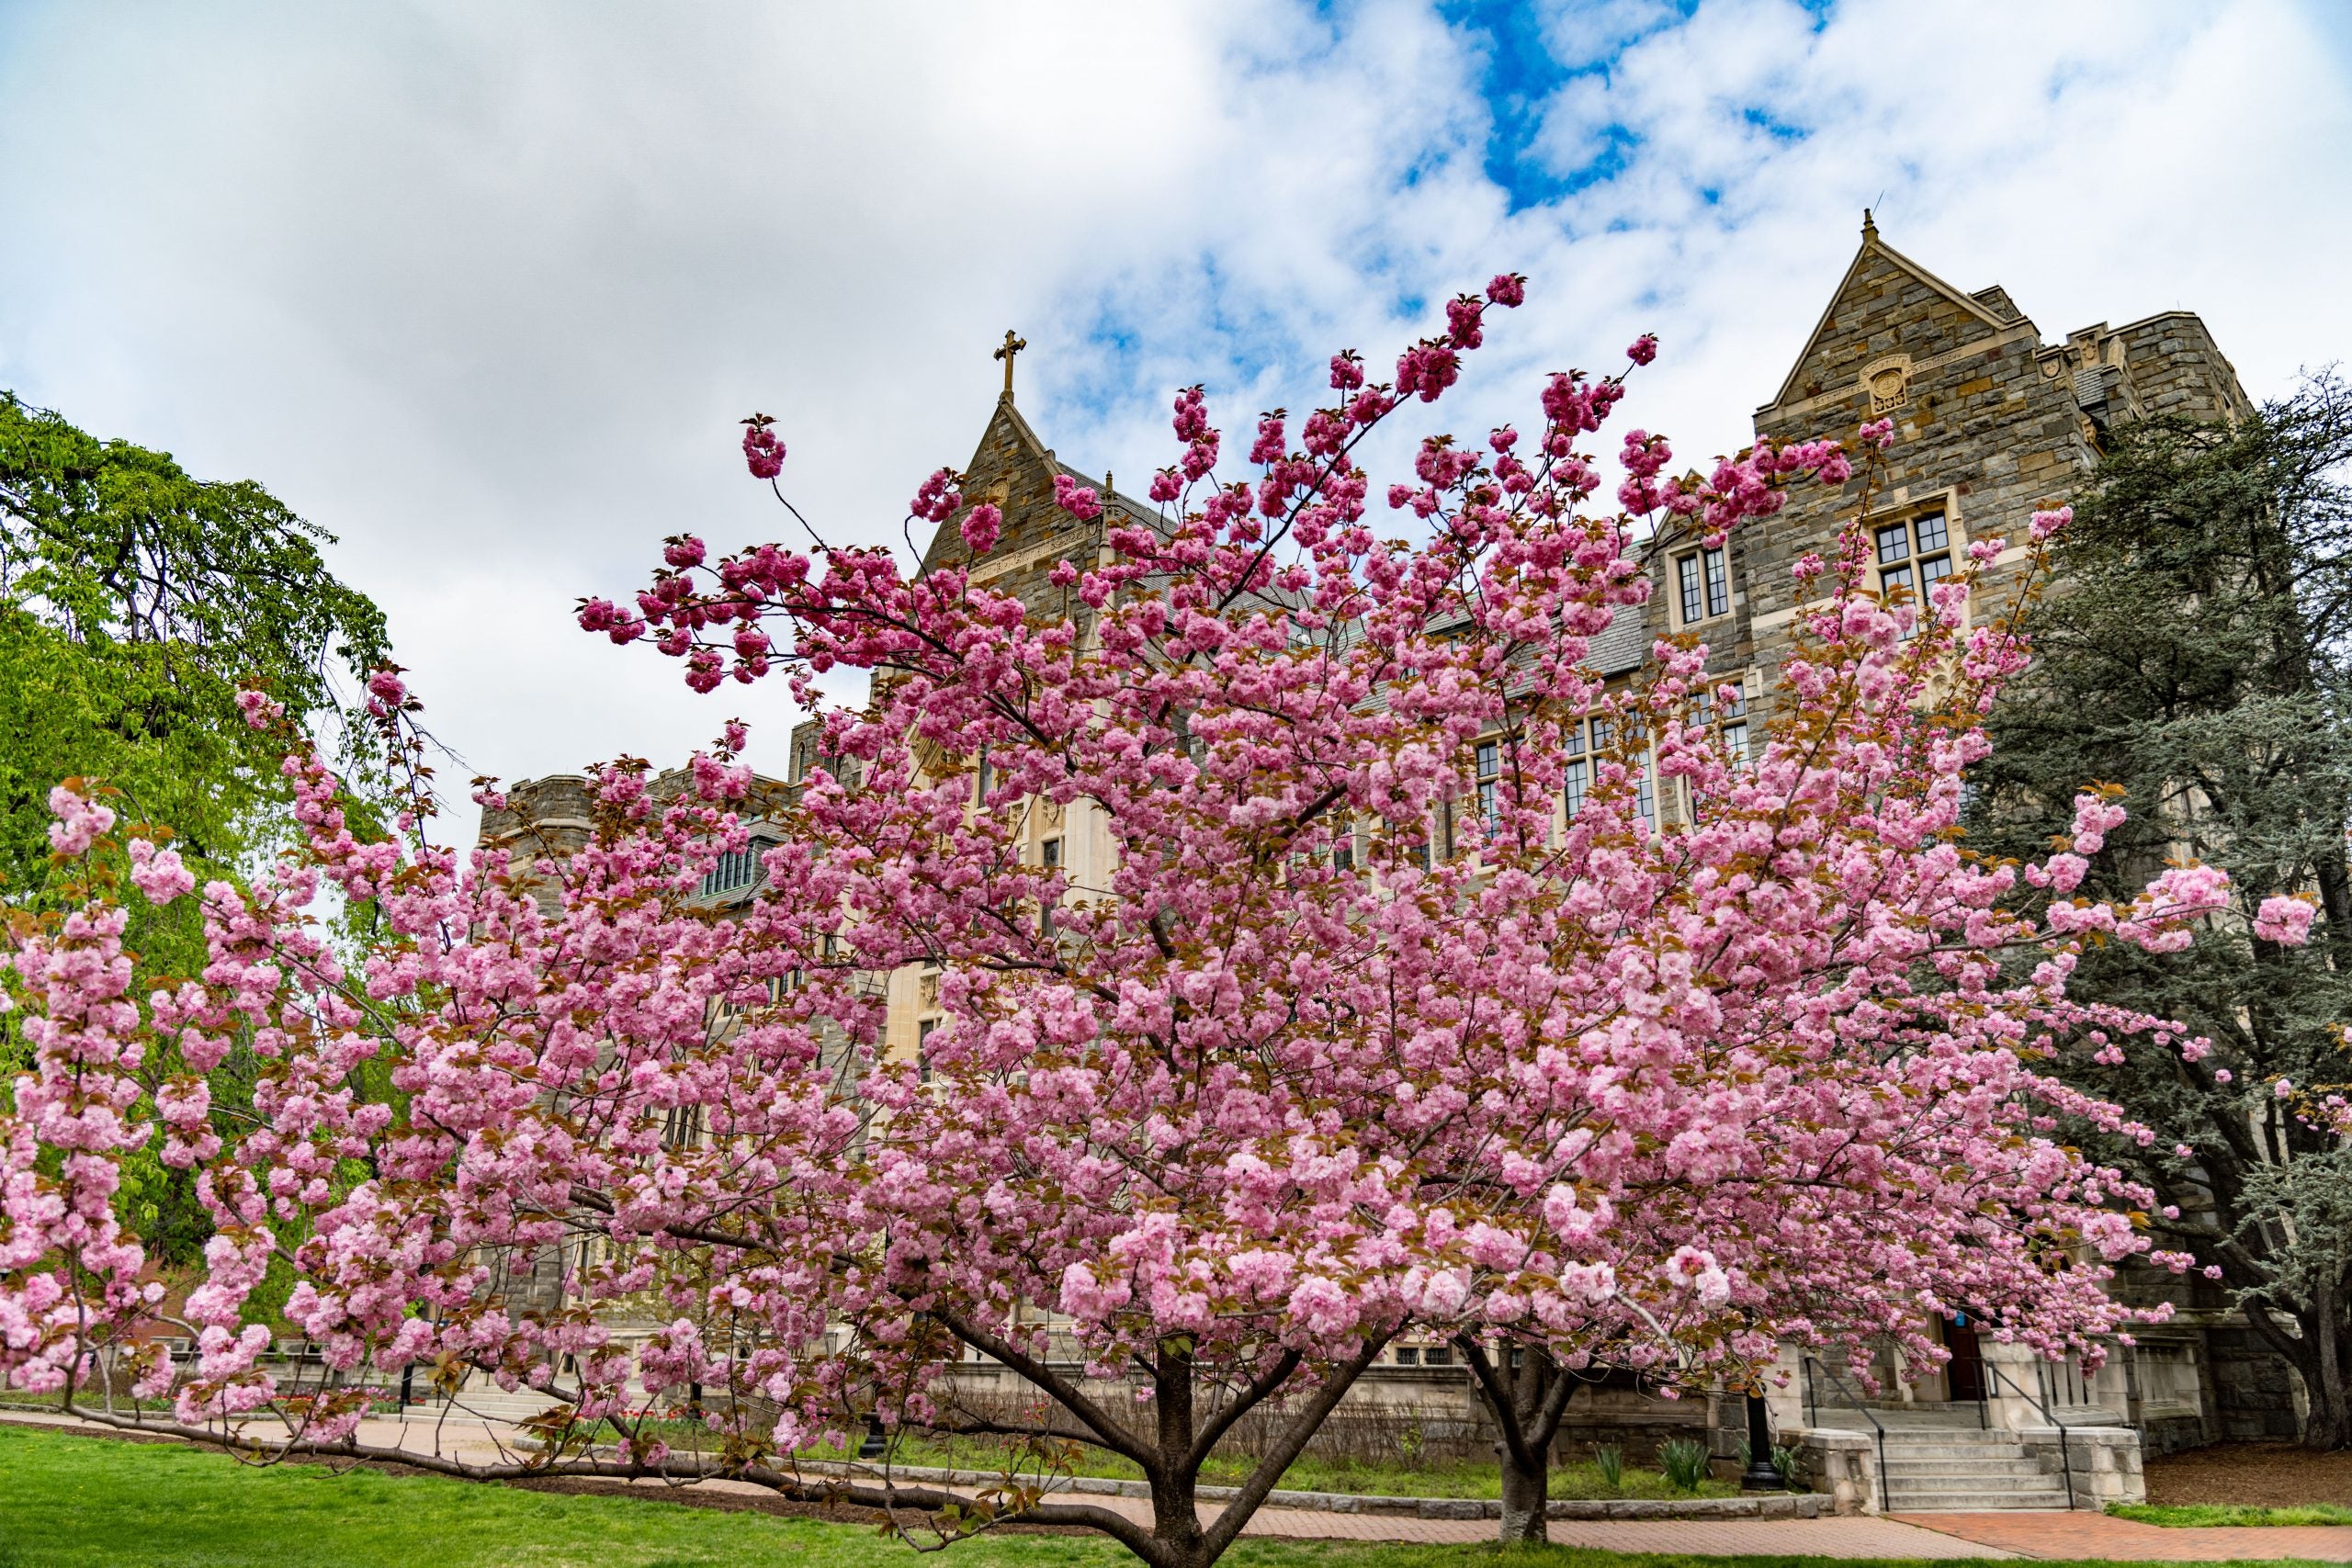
[(1811, 1363), (2065, 1455)]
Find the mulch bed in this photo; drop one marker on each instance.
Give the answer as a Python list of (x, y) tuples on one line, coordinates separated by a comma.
[(747, 1502), (2262, 1475)]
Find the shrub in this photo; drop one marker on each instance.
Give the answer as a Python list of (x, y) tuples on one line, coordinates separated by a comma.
[(1610, 1459)]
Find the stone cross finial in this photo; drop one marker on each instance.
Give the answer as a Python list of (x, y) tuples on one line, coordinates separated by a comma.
[(1013, 345)]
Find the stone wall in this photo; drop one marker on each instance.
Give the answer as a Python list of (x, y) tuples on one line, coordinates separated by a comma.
[(1982, 434), (2257, 1395)]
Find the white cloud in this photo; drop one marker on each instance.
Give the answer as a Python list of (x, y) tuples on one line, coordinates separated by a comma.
[(483, 289)]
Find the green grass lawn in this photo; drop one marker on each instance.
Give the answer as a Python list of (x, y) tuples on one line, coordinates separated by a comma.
[(2184, 1514), (86, 1500), (1311, 1473)]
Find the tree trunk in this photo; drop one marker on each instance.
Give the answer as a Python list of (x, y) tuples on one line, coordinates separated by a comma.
[(2329, 1425), (1527, 1401), (1525, 1492), (1175, 1486)]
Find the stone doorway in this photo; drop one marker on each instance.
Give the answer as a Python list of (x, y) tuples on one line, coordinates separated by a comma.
[(1965, 1374)]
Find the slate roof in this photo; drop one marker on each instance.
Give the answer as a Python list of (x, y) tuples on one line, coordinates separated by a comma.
[(1623, 645)]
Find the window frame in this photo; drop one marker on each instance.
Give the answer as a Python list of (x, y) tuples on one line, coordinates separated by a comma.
[(1908, 571), (1703, 574), (1487, 775), (1049, 861), (1594, 736), (736, 870)]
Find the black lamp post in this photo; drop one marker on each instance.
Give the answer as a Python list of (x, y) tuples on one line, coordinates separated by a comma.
[(1761, 1474)]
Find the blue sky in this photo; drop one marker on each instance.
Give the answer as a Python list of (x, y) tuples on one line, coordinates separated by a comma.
[(483, 288)]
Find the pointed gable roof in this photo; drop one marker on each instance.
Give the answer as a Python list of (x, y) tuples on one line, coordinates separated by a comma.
[(1876, 264), (1016, 471), (1010, 467)]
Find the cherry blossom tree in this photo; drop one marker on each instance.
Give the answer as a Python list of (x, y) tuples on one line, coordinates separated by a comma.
[(1347, 1033), (1354, 1033)]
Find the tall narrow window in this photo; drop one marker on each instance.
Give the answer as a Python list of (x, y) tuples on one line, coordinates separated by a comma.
[(1049, 855), (1914, 556), (1578, 769), (981, 797), (1702, 584), (1343, 847), (922, 1047), (1735, 727), (1645, 797), (1489, 759)]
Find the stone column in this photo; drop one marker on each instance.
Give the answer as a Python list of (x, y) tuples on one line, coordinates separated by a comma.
[(2013, 1381)]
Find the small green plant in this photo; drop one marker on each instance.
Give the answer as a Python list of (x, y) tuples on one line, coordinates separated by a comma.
[(1411, 1442), (1609, 1460), (1791, 1466), (1684, 1462)]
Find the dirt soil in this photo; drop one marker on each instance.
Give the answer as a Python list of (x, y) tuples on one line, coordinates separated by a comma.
[(2264, 1475), (749, 1503)]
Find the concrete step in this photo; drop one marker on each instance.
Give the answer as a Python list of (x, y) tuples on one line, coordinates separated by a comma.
[(2030, 1479), (1909, 1417), (2012, 1452), (2023, 1482), (1976, 1501), (1907, 1469)]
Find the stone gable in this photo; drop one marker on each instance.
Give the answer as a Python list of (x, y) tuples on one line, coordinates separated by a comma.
[(1016, 471), (1990, 425), (1887, 313)]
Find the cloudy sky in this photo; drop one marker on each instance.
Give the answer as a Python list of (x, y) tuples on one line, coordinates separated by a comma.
[(482, 287)]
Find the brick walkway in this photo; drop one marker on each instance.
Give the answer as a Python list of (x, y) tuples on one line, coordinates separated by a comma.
[(2085, 1534), (1696, 1538)]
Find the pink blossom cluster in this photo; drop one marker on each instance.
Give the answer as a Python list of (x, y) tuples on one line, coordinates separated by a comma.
[(763, 449), (2286, 921)]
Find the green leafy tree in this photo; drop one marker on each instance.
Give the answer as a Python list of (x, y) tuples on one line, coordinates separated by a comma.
[(2196, 650), (134, 601)]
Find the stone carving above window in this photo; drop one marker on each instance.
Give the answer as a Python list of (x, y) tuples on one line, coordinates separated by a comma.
[(1889, 381)]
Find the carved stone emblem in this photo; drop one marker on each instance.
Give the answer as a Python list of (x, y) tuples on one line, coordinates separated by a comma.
[(1889, 381)]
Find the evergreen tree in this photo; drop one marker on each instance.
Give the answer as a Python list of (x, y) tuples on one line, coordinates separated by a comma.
[(2195, 650)]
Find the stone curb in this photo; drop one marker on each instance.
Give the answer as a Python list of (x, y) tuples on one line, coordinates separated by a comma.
[(1766, 1505)]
